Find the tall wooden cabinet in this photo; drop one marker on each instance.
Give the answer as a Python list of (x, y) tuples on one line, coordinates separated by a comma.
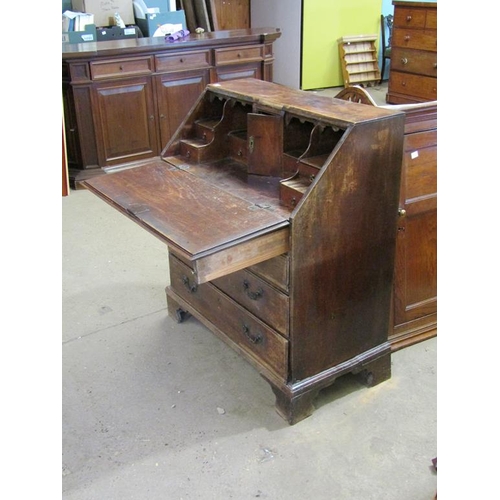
[(279, 210), (124, 99), (413, 74), (415, 278)]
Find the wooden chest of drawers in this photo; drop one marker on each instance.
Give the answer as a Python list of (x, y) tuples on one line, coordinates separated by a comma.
[(279, 209), (413, 75)]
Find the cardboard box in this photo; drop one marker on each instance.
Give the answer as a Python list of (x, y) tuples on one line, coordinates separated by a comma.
[(104, 11), (89, 35), (158, 24)]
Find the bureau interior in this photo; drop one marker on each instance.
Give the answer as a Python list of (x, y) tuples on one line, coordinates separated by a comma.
[(264, 155)]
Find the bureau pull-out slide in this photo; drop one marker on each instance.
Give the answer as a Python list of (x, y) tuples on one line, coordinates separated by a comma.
[(219, 233)]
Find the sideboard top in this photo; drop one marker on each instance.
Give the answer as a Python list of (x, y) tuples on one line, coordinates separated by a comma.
[(153, 44)]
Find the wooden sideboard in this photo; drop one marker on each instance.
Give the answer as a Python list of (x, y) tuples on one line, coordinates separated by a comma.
[(279, 208), (413, 73), (415, 277), (124, 99)]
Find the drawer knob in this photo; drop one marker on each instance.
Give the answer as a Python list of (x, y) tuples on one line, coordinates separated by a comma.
[(435, 65), (181, 60), (407, 37), (408, 18), (252, 295), (254, 339), (121, 67), (402, 212), (191, 288), (404, 60)]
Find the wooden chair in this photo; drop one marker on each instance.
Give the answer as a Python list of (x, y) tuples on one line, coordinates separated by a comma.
[(386, 23), (355, 93)]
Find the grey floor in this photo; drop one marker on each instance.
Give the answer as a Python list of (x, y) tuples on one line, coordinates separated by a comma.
[(153, 409)]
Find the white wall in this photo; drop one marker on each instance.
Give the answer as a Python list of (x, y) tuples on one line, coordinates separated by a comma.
[(285, 15)]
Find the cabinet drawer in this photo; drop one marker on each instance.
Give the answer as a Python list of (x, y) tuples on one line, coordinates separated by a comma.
[(424, 87), (241, 54), (181, 61), (409, 17), (415, 39), (252, 336), (258, 297), (274, 271), (121, 67), (414, 61)]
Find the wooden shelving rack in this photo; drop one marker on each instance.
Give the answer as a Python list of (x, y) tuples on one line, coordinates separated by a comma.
[(359, 61)]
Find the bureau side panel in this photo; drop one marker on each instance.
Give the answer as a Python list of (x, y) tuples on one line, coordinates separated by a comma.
[(342, 250)]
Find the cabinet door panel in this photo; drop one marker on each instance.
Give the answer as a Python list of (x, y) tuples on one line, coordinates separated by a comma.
[(125, 121), (176, 95)]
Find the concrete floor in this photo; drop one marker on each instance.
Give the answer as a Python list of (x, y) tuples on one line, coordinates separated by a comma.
[(153, 409)]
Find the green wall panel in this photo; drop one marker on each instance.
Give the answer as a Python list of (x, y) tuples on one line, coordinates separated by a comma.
[(324, 22)]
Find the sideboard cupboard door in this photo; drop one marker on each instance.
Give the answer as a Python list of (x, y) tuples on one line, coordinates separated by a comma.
[(125, 120), (176, 94)]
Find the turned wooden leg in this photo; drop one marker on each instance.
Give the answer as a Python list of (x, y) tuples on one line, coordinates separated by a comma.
[(175, 311), (294, 408), (376, 371)]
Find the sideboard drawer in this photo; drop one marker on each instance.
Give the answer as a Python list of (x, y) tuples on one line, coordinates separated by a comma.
[(414, 61), (181, 61), (424, 87), (121, 67), (238, 55), (251, 335)]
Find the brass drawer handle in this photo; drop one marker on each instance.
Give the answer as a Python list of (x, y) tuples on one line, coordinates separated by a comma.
[(407, 37), (252, 295), (254, 339), (190, 288), (404, 60), (402, 212), (408, 18)]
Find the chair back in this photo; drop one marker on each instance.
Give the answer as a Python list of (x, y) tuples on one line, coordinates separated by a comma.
[(386, 23)]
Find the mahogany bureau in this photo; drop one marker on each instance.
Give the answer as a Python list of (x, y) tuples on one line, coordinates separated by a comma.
[(279, 209)]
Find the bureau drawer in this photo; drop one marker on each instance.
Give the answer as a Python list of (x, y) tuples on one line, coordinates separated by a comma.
[(255, 339), (238, 55), (424, 87), (414, 61), (275, 271), (180, 61), (257, 296), (420, 164), (415, 39), (409, 17), (121, 67)]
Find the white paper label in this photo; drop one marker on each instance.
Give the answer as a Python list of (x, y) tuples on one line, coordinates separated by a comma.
[(414, 155)]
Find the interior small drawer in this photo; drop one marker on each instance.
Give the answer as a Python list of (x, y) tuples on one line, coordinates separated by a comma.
[(250, 335), (180, 61), (121, 67), (414, 61), (241, 54), (409, 17), (258, 297)]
